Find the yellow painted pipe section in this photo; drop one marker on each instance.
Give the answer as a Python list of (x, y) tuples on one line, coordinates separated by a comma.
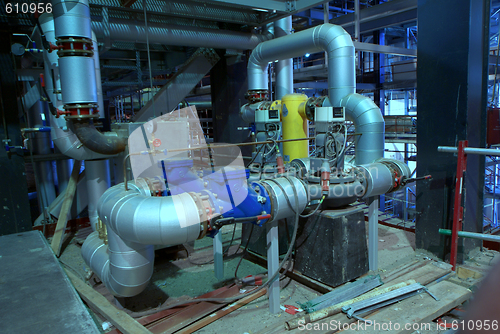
[(294, 126)]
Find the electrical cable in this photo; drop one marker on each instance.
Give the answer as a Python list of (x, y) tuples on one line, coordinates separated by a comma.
[(223, 253), (231, 299), (245, 251), (288, 199), (256, 154)]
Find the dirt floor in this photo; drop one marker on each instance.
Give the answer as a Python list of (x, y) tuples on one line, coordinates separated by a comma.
[(187, 271)]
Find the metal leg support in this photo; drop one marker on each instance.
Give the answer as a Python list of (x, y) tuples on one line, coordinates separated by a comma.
[(218, 257), (373, 232), (272, 266)]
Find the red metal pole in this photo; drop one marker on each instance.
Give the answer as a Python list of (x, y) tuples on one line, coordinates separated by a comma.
[(458, 210)]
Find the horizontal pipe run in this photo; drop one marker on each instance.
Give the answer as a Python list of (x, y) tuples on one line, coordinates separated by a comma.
[(470, 150), (179, 35), (226, 145), (472, 235)]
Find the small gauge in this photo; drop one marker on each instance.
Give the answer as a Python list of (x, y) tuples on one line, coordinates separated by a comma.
[(17, 49)]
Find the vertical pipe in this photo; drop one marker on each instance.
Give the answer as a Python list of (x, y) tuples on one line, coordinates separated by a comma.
[(41, 145), (218, 256), (457, 206), (373, 203), (98, 181), (356, 30), (97, 66), (284, 68), (64, 168), (273, 266), (326, 19)]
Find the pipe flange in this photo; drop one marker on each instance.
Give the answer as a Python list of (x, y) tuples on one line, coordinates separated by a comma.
[(81, 111), (202, 212), (69, 46), (257, 95)]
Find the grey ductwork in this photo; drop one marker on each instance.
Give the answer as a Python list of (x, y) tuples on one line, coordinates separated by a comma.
[(178, 35), (135, 221), (341, 80), (62, 136), (369, 123)]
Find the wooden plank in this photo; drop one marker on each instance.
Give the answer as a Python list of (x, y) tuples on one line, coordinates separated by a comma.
[(66, 206), (121, 320), (464, 273), (219, 314), (423, 275), (419, 309), (192, 313), (337, 308), (294, 275), (388, 274), (404, 270)]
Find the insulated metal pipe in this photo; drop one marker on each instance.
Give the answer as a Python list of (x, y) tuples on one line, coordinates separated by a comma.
[(62, 135), (137, 217), (125, 268), (369, 123), (135, 221), (98, 181), (337, 191), (326, 37), (127, 31), (337, 43), (40, 145), (282, 188), (97, 67), (284, 67)]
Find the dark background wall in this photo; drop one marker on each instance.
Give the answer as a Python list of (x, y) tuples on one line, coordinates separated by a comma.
[(452, 70)]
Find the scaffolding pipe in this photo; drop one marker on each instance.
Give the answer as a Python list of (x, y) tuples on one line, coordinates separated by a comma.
[(472, 235), (470, 150)]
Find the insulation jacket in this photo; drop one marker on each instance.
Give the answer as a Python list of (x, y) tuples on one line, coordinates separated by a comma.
[(96, 141), (135, 222), (132, 31), (337, 43)]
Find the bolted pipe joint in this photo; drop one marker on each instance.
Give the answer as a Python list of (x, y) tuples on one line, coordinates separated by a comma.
[(282, 194), (383, 176)]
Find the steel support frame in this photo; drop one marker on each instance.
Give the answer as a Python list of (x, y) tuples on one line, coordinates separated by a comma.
[(451, 107), (458, 210)]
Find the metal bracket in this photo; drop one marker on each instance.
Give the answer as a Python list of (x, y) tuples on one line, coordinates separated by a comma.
[(291, 5), (355, 309)]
